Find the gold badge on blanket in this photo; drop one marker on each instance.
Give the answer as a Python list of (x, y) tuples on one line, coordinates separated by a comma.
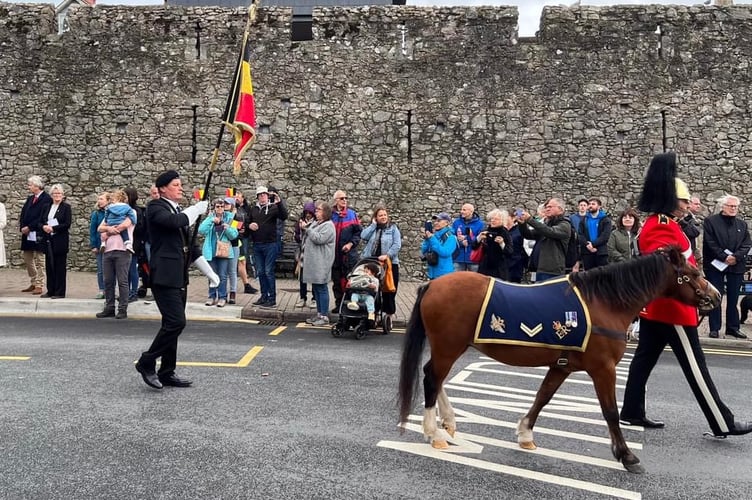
[(497, 324), (560, 330)]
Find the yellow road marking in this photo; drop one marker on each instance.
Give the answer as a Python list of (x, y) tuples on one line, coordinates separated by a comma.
[(15, 358), (278, 330), (244, 361)]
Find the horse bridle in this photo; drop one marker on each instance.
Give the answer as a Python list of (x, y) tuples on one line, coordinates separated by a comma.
[(683, 279)]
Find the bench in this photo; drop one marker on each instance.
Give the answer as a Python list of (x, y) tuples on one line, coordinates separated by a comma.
[(285, 266)]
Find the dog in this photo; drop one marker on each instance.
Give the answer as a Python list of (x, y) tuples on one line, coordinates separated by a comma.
[(745, 305)]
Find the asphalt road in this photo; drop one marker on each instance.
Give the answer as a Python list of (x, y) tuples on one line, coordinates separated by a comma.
[(300, 414)]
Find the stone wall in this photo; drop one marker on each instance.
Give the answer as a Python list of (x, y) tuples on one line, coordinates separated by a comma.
[(422, 108)]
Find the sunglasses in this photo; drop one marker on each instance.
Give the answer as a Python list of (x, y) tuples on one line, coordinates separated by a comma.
[(342, 198)]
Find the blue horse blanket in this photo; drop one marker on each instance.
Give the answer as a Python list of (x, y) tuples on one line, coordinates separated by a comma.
[(551, 314)]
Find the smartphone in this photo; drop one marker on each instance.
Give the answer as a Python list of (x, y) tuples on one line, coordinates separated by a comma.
[(428, 226), (518, 212)]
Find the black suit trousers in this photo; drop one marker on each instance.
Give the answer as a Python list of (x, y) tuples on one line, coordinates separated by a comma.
[(684, 341), (57, 269), (171, 303)]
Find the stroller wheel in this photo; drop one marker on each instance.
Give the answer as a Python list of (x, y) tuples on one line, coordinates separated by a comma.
[(360, 332), (337, 330)]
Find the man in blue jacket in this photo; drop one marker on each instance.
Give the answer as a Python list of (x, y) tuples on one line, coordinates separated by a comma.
[(466, 229), (594, 232)]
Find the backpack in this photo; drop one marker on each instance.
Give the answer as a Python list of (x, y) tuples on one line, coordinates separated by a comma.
[(572, 250)]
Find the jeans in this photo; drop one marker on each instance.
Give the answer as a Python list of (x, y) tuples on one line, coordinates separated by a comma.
[(465, 266), (321, 294), (732, 284), (219, 266), (369, 301), (545, 277), (100, 274), (265, 255), (232, 271), (133, 277), (115, 265)]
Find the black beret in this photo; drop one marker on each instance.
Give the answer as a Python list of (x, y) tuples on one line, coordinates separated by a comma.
[(165, 178)]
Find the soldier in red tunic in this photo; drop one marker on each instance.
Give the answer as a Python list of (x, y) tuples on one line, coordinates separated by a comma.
[(666, 321)]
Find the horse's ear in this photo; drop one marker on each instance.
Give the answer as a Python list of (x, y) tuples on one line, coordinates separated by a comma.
[(675, 255)]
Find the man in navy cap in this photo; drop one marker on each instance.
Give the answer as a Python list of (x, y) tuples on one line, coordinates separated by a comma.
[(171, 256)]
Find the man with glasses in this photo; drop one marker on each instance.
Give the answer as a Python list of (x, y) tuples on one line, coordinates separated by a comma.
[(347, 227), (552, 235), (725, 245)]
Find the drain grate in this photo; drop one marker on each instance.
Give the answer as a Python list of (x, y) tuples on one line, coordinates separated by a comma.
[(271, 322)]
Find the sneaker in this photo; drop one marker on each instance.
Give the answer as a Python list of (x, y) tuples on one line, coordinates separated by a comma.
[(261, 301), (248, 288), (270, 304), (211, 302), (231, 299), (121, 315), (372, 316), (100, 295), (107, 313), (353, 306), (312, 304), (221, 303), (301, 303), (321, 321)]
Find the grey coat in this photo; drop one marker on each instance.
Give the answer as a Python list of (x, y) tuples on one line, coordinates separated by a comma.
[(318, 252)]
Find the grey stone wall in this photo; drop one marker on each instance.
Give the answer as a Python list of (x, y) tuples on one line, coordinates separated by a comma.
[(422, 108)]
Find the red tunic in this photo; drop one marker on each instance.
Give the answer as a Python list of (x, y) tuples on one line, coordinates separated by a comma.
[(659, 231)]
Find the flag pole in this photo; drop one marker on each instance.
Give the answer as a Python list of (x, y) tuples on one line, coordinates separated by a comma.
[(228, 106)]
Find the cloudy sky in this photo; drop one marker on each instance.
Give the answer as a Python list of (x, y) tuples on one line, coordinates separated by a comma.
[(530, 10)]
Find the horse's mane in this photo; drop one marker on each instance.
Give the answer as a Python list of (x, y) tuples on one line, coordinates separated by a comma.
[(624, 285)]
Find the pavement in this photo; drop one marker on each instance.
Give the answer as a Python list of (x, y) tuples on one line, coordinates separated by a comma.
[(80, 302)]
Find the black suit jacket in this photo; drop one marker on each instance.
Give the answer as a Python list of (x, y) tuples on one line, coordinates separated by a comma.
[(59, 238), (31, 216), (170, 240)]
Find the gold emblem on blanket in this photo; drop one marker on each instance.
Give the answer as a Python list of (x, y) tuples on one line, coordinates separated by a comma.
[(561, 330), (531, 332), (497, 324)]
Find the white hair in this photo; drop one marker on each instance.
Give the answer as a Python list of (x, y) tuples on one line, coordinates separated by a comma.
[(57, 187), (36, 181)]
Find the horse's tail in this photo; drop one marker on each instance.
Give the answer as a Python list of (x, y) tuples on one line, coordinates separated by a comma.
[(412, 350)]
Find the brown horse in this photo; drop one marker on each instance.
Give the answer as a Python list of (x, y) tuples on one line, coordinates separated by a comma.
[(614, 296)]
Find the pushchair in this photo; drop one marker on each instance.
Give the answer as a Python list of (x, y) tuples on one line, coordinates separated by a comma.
[(358, 320)]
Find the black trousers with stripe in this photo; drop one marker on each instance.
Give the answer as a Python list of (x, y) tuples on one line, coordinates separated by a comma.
[(685, 342)]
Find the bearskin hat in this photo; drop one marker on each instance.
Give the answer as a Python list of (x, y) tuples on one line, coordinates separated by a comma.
[(659, 190)]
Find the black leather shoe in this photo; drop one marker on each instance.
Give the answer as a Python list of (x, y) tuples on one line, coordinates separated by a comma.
[(260, 302), (173, 381), (735, 333), (713, 335), (121, 315), (741, 428), (107, 313), (149, 376), (644, 422)]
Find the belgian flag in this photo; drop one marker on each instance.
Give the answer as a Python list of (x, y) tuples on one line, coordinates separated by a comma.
[(241, 117)]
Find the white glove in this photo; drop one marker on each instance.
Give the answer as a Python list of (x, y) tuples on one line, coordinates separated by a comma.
[(206, 269), (195, 210)]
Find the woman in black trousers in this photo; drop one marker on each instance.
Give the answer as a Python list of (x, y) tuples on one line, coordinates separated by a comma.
[(55, 224)]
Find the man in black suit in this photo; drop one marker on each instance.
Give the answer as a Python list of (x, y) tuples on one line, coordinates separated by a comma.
[(171, 256), (32, 242)]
